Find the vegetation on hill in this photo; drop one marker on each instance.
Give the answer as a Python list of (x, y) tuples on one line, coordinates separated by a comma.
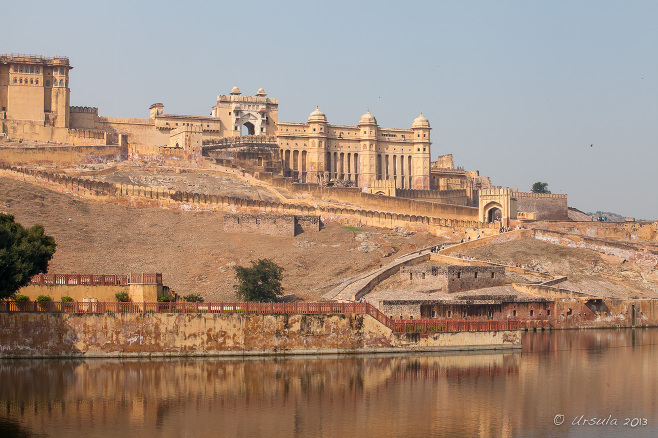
[(261, 282)]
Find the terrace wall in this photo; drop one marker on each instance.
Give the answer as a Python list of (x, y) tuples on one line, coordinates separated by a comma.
[(197, 334)]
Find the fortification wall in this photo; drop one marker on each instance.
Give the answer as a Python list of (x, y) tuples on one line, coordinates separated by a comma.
[(629, 251), (273, 225), (355, 196), (162, 334), (37, 155), (626, 231), (138, 131), (545, 206), (33, 130), (145, 196)]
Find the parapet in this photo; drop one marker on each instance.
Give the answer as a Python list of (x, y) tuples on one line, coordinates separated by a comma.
[(83, 109)]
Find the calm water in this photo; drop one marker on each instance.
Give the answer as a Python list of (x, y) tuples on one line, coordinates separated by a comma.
[(610, 374)]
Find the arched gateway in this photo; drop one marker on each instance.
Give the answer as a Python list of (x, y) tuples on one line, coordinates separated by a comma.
[(497, 205)]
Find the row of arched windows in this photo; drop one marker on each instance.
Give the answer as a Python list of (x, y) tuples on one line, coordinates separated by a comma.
[(32, 81), (26, 69)]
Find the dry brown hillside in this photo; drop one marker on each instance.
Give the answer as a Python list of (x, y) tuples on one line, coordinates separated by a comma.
[(191, 249), (588, 271)]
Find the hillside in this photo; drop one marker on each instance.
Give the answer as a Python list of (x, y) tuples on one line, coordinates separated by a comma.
[(191, 249)]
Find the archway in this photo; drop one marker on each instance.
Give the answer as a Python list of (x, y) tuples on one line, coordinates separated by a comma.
[(248, 129), (493, 211), (494, 215)]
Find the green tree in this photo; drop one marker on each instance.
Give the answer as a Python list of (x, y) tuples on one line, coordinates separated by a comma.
[(24, 253), (540, 187), (193, 298), (260, 282)]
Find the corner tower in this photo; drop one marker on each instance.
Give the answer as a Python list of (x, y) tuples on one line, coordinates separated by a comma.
[(420, 171), (365, 159)]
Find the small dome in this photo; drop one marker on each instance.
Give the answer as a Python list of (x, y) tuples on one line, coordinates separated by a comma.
[(317, 116), (420, 122), (367, 119), (261, 92), (235, 91)]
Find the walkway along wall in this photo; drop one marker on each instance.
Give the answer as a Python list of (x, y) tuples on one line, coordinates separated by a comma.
[(166, 334), (137, 196)]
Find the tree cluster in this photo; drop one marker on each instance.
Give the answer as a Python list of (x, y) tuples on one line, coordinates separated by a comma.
[(261, 282), (24, 253)]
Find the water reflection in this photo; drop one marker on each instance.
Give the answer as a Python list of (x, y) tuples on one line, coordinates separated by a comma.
[(590, 373)]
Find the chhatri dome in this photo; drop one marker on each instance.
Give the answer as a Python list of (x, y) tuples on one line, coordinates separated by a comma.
[(317, 116), (420, 122), (367, 119), (261, 92), (235, 91)]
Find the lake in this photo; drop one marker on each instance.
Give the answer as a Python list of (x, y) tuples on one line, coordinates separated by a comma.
[(590, 382)]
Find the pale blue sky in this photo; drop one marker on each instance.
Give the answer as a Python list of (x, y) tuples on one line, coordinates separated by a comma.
[(516, 89)]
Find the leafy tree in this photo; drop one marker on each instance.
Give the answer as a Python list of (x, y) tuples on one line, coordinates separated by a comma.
[(540, 187), (67, 299), (260, 282), (24, 253), (122, 297), (44, 298), (193, 298)]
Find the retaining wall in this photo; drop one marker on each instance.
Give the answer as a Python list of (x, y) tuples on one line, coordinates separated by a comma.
[(155, 334)]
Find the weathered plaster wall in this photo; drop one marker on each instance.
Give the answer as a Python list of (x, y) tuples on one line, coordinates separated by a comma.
[(60, 154), (157, 334), (103, 293)]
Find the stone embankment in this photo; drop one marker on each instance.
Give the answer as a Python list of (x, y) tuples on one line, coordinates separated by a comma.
[(224, 334)]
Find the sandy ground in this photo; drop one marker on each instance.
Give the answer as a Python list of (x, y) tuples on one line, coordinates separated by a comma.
[(191, 249)]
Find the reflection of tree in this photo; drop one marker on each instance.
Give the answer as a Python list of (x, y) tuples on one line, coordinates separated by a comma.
[(13, 429)]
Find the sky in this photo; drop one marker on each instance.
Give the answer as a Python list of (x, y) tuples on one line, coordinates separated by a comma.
[(563, 92)]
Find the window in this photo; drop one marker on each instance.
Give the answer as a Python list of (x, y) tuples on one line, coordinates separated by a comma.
[(32, 69), (493, 275), (548, 312), (47, 83), (36, 81), (15, 69), (15, 80), (449, 313), (532, 312), (476, 275), (459, 275), (20, 81), (20, 69), (514, 313), (36, 70), (31, 81)]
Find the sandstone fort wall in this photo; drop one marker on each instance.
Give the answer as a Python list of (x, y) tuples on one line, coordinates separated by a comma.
[(166, 334), (545, 206)]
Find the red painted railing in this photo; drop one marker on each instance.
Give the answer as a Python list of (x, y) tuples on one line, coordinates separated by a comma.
[(96, 279), (398, 326)]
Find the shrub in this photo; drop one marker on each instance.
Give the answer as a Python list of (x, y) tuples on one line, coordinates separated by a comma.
[(67, 299), (193, 298), (260, 282), (44, 298), (163, 299), (122, 297), (18, 298)]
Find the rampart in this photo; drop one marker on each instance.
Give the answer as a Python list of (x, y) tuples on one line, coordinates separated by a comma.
[(56, 154), (146, 196), (545, 206), (224, 334), (355, 196), (626, 231)]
